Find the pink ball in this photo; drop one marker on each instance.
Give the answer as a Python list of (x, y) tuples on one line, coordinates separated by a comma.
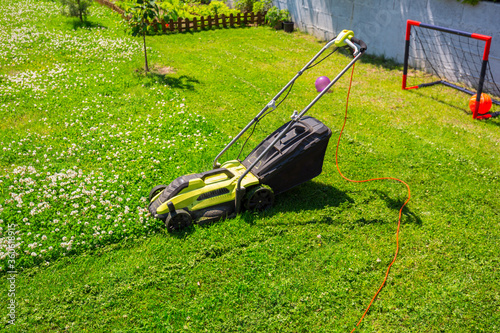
[(321, 83)]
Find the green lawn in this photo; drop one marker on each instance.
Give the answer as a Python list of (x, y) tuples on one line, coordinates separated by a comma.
[(85, 135)]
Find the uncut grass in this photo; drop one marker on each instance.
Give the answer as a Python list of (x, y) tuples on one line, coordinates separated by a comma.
[(268, 272), (81, 139)]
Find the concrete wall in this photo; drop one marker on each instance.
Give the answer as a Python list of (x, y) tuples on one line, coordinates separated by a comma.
[(382, 23)]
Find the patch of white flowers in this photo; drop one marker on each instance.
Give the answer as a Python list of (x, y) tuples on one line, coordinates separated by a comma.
[(77, 175)]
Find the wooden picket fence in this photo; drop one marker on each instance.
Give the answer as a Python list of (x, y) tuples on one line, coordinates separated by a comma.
[(201, 23)]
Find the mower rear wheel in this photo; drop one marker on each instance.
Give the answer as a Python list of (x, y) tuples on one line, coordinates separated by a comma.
[(259, 198), (180, 219), (157, 189)]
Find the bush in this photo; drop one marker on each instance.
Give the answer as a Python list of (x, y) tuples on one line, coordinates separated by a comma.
[(275, 16), (245, 5), (261, 6), (475, 2), (215, 7)]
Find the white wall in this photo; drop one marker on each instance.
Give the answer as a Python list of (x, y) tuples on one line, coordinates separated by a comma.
[(382, 23)]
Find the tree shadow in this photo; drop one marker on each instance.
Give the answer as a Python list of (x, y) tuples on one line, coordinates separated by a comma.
[(172, 80), (77, 24)]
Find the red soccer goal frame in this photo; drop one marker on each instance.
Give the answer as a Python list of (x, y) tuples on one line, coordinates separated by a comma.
[(486, 39)]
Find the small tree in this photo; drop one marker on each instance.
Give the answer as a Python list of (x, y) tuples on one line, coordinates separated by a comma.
[(76, 8), (144, 15)]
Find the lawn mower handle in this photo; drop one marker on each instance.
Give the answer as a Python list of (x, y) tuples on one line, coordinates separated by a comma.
[(272, 103), (360, 43), (296, 117)]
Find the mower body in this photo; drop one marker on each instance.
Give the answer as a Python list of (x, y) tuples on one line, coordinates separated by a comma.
[(206, 196), (291, 155), (297, 157)]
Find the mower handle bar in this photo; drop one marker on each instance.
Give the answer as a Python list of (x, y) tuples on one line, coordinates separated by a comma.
[(357, 52), (272, 104), (295, 118), (362, 44)]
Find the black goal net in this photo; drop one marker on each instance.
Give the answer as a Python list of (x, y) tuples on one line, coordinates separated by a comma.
[(458, 59)]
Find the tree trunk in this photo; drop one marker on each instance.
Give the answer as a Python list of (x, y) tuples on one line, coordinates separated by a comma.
[(80, 11), (145, 52)]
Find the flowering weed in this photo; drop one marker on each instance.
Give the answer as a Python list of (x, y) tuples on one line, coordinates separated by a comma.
[(83, 138)]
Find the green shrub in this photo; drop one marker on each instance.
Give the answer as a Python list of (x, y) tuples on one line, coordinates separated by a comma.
[(475, 2), (261, 6), (215, 7), (284, 15), (245, 5), (274, 16)]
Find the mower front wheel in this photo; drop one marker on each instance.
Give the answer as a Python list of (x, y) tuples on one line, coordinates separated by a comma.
[(178, 220), (259, 198), (155, 190)]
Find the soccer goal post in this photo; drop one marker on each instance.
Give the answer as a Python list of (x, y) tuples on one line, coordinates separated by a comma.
[(454, 58)]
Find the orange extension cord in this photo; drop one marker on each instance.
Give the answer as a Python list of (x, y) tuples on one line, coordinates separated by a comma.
[(364, 181)]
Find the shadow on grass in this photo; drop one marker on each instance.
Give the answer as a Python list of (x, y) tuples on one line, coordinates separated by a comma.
[(381, 61), (77, 24), (206, 29), (325, 201), (310, 196), (395, 204), (456, 107), (174, 81), (330, 201), (493, 121)]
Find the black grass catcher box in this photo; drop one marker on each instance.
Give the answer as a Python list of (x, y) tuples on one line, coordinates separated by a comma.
[(296, 158)]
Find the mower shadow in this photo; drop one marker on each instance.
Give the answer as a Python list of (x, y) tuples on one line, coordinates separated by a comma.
[(313, 196), (395, 204), (309, 196)]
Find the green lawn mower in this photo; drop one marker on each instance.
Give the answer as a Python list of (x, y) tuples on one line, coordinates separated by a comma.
[(291, 155)]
